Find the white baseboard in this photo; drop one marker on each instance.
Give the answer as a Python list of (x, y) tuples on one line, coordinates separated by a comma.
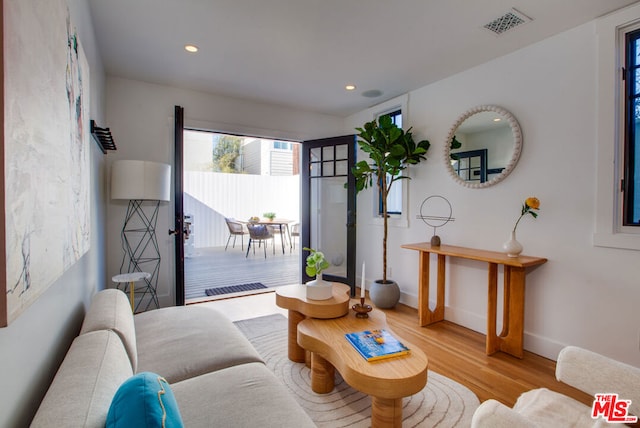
[(409, 300), (542, 346)]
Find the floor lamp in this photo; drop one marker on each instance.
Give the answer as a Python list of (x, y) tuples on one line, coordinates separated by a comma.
[(144, 184)]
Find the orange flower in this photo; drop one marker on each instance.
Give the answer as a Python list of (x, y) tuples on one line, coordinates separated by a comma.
[(533, 202)]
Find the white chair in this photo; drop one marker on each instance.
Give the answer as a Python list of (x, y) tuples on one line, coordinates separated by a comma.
[(585, 370)]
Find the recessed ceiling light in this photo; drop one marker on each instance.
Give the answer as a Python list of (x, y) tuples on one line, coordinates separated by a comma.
[(350, 87), (497, 119), (191, 48)]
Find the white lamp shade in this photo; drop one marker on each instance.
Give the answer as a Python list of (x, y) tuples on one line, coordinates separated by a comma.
[(143, 180)]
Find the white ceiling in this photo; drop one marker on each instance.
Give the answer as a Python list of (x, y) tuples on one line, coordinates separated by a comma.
[(301, 53)]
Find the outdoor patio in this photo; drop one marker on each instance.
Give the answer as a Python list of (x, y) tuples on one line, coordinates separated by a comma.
[(214, 267)]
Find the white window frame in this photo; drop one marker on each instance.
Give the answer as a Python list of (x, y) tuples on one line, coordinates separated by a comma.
[(394, 220), (611, 30)]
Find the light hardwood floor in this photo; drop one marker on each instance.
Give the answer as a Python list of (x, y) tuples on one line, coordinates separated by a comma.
[(453, 351)]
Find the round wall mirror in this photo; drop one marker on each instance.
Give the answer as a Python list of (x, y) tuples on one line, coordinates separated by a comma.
[(483, 146)]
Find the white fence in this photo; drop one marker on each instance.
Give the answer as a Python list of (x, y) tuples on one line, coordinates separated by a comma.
[(210, 197)]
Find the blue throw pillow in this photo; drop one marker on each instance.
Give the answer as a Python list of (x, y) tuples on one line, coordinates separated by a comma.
[(144, 400)]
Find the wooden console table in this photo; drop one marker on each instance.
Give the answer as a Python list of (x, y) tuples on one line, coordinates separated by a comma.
[(511, 338)]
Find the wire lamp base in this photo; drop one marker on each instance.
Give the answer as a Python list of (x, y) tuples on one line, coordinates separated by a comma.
[(141, 252)]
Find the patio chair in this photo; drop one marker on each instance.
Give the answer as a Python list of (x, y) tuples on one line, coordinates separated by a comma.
[(280, 231), (260, 233), (295, 233), (235, 229)]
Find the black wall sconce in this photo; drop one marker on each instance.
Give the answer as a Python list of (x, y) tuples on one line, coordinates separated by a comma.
[(103, 137)]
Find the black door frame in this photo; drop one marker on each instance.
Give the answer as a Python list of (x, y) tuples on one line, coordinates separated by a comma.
[(178, 186)]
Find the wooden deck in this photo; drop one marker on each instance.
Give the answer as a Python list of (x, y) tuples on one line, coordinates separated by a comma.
[(215, 267)]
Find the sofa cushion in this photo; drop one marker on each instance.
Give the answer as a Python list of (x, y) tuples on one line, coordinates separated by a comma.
[(248, 395), (144, 400), (79, 396), (187, 341), (110, 310), (548, 408)]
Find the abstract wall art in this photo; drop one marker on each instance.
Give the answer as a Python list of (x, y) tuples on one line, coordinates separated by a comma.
[(46, 150)]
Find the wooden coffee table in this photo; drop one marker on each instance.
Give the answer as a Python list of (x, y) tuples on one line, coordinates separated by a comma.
[(294, 298), (386, 381)]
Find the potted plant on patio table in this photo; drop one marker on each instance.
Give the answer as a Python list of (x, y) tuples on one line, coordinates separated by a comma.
[(391, 150)]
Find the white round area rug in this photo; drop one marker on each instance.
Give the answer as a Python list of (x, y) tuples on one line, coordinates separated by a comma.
[(442, 403)]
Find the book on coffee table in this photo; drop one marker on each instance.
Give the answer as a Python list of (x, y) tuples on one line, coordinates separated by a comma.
[(376, 344)]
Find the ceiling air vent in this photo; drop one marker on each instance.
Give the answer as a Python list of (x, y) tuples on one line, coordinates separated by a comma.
[(506, 22)]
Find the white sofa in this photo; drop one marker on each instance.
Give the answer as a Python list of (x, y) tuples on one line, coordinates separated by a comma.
[(585, 370), (217, 377)]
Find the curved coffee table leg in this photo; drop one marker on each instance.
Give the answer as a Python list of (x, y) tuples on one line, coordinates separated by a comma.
[(296, 352), (322, 375), (386, 412)]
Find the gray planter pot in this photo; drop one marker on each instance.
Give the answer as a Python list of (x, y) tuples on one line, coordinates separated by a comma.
[(384, 295)]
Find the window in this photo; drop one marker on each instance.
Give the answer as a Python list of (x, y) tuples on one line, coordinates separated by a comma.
[(396, 117), (631, 169), (616, 218), (397, 108), (394, 198), (283, 145)]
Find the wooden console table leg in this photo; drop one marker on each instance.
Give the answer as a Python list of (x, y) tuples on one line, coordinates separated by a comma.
[(424, 313), (322, 375), (438, 312), (506, 298), (513, 340), (386, 412), (492, 344), (427, 316), (296, 352)]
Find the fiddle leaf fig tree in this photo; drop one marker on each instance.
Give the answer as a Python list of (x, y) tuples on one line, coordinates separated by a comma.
[(391, 150)]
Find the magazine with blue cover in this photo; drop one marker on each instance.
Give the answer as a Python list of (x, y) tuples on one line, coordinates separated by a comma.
[(376, 344)]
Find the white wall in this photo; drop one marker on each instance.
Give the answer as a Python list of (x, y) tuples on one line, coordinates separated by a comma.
[(35, 343), (140, 116), (584, 295)]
